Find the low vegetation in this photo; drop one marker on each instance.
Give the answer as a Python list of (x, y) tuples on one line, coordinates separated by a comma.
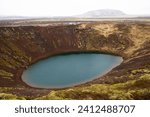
[(5, 74), (5, 96)]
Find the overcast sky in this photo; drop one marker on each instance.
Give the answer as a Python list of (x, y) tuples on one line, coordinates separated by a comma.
[(70, 7)]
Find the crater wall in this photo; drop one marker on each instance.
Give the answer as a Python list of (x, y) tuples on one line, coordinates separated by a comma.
[(21, 46)]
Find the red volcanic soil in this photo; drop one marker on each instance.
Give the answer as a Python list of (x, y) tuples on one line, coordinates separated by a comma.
[(21, 46)]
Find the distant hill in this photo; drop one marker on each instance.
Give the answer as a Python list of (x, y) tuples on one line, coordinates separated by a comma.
[(102, 13), (12, 17)]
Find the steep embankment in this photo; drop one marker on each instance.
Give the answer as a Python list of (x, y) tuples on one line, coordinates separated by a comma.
[(21, 46)]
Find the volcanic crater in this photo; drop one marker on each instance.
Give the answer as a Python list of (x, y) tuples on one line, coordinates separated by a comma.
[(24, 45)]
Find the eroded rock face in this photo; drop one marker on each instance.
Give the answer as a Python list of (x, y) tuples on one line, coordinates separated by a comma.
[(20, 46)]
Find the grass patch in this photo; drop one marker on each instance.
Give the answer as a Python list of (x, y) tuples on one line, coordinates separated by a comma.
[(6, 74), (5, 96)]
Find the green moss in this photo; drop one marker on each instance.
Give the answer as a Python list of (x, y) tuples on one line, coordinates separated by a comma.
[(5, 96), (5, 74), (5, 89), (13, 62), (145, 76), (12, 48), (140, 71), (5, 63), (140, 94)]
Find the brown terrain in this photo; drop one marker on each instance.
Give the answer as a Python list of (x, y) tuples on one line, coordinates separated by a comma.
[(21, 46)]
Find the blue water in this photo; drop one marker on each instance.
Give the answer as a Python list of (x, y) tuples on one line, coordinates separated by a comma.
[(67, 70)]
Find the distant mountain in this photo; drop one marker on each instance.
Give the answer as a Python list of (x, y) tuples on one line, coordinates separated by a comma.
[(12, 17), (102, 13)]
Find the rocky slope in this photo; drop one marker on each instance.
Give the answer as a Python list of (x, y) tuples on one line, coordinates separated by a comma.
[(21, 46)]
